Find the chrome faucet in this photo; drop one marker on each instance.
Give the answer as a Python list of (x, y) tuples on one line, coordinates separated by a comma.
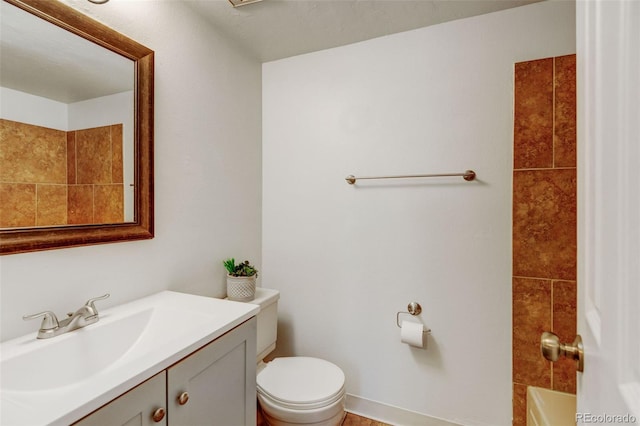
[(51, 327)]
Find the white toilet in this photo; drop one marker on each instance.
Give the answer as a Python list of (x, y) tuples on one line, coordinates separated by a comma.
[(294, 390)]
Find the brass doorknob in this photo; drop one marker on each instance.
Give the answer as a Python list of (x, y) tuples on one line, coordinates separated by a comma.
[(552, 349)]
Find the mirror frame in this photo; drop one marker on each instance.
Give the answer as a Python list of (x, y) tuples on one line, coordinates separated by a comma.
[(46, 238)]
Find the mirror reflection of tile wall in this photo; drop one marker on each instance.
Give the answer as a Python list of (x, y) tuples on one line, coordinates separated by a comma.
[(51, 177)]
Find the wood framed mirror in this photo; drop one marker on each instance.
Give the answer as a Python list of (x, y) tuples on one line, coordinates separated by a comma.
[(138, 223)]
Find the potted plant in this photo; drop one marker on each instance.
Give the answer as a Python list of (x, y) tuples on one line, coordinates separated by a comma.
[(241, 280)]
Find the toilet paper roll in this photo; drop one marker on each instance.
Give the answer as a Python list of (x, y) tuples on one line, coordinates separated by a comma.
[(413, 334)]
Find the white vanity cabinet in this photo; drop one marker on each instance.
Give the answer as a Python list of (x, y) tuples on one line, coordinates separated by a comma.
[(214, 385)]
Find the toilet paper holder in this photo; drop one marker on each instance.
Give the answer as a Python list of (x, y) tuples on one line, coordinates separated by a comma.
[(413, 309)]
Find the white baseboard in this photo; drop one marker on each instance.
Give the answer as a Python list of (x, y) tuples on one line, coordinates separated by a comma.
[(389, 414)]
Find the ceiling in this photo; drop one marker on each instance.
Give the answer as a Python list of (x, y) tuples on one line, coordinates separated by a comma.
[(42, 59), (276, 29)]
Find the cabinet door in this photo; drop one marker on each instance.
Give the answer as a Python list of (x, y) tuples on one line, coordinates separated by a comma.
[(219, 381), (134, 408)]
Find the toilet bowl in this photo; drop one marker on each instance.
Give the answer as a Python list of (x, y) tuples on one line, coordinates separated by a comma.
[(294, 390), (301, 390)]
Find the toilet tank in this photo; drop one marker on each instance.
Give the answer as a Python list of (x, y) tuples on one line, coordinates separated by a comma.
[(267, 331)]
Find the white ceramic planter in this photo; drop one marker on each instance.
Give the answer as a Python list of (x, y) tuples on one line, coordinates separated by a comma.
[(241, 289)]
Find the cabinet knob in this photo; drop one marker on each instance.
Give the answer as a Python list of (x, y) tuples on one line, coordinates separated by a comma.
[(158, 415), (183, 398)]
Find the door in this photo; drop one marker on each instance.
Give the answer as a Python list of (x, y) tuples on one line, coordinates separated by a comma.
[(608, 55), (143, 405)]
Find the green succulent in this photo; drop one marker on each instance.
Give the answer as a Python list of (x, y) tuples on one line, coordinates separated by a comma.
[(244, 269)]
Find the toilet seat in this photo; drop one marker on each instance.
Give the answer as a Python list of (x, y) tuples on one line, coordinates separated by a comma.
[(301, 390), (301, 382)]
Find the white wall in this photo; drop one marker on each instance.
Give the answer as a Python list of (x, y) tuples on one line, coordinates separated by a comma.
[(32, 109), (44, 112), (207, 116), (347, 258), (103, 111)]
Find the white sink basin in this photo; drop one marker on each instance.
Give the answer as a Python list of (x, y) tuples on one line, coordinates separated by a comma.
[(546, 407), (59, 380), (70, 360)]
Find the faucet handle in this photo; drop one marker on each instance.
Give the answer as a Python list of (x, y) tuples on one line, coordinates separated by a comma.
[(92, 306), (49, 322)]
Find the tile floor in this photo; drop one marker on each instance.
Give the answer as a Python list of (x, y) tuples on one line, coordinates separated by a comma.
[(349, 420), (353, 420)]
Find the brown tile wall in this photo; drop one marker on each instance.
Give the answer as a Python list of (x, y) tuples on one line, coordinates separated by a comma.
[(51, 177), (95, 175), (544, 223)]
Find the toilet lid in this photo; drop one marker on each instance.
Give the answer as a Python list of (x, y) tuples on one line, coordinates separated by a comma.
[(301, 381)]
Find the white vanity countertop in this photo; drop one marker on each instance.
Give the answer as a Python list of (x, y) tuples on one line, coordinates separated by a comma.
[(58, 381)]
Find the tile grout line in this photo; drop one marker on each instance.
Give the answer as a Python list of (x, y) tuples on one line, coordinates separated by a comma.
[(35, 218), (533, 169), (553, 114), (542, 278), (552, 330)]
